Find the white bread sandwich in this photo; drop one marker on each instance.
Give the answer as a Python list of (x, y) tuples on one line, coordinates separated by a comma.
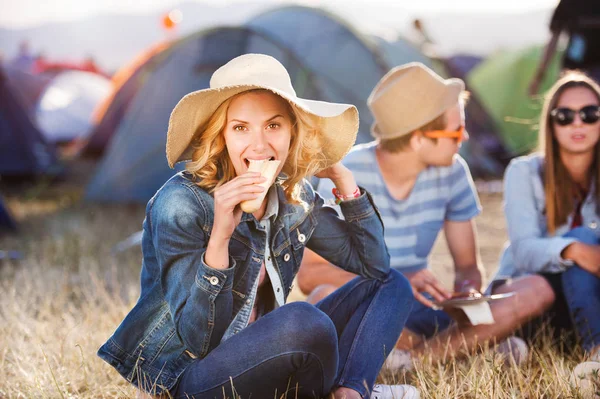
[(267, 169)]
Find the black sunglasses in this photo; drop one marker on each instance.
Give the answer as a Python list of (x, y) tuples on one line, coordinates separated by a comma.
[(565, 116)]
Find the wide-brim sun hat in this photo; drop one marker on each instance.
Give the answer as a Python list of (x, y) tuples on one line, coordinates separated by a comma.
[(338, 122), (408, 97)]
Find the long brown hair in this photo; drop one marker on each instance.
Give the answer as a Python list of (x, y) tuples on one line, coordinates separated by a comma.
[(559, 185)]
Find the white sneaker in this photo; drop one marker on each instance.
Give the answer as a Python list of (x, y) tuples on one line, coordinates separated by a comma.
[(398, 360), (513, 348), (586, 377), (381, 391)]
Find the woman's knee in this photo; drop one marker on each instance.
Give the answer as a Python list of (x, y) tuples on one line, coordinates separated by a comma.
[(400, 285), (307, 327), (580, 279)]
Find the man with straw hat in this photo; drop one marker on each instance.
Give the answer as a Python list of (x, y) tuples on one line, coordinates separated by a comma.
[(421, 186)]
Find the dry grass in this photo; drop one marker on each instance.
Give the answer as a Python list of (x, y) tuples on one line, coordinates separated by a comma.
[(69, 292)]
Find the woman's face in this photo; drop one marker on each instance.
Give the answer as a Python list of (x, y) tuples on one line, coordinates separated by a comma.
[(577, 137), (441, 151), (258, 127)]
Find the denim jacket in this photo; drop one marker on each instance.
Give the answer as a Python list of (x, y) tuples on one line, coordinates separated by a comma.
[(185, 306), (532, 249)]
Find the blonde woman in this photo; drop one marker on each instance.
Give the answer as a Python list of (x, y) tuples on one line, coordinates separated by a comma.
[(552, 206), (211, 319)]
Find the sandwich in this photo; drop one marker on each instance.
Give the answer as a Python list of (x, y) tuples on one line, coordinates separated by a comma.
[(267, 169)]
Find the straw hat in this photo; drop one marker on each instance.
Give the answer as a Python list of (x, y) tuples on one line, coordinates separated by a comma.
[(339, 122), (408, 97)]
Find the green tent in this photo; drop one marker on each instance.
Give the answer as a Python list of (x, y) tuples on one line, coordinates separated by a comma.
[(501, 84)]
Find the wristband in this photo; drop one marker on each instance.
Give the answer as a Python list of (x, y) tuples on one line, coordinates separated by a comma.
[(339, 197)]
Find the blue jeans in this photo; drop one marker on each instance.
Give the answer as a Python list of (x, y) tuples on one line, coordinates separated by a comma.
[(305, 350), (581, 291), (425, 321)]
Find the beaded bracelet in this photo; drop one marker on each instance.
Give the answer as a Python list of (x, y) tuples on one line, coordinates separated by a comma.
[(339, 197)]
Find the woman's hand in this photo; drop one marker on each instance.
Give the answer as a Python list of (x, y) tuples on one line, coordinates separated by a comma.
[(341, 176), (425, 281), (584, 255), (228, 215)]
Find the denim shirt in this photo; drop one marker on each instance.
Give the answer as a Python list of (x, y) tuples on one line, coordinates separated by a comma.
[(531, 248), (185, 306)]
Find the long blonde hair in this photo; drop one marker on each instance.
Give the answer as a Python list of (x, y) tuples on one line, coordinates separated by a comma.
[(212, 167), (559, 185)]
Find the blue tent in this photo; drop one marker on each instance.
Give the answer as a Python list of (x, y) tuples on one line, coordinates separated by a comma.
[(346, 65), (27, 87), (7, 222), (23, 149), (135, 166)]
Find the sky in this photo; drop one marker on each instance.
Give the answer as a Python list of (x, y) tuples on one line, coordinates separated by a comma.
[(28, 13)]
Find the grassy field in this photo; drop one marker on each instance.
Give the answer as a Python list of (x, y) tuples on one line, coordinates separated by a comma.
[(69, 292)]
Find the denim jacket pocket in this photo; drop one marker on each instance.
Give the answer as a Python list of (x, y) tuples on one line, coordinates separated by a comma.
[(299, 236), (426, 235)]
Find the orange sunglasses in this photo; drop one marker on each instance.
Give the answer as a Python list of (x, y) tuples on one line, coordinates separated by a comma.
[(456, 134)]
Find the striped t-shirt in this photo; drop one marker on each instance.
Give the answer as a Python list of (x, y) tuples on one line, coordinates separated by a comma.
[(412, 224)]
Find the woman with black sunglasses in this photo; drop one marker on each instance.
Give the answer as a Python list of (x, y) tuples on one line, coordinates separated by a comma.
[(552, 207)]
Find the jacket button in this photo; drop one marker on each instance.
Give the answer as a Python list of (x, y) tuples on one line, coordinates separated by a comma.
[(213, 280), (286, 257), (301, 237), (593, 225), (248, 301)]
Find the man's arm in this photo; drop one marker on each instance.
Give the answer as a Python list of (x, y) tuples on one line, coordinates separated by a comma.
[(315, 271), (462, 242)]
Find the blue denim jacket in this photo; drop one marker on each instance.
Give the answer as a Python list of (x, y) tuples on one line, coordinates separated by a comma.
[(532, 249), (185, 306)]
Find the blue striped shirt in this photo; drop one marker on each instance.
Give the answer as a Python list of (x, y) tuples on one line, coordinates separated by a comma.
[(412, 224)]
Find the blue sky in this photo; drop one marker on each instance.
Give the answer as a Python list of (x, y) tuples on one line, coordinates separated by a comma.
[(26, 13)]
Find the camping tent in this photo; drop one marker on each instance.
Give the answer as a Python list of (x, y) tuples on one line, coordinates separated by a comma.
[(134, 166), (64, 109), (501, 83), (345, 64), (26, 86), (485, 151), (23, 149), (302, 38), (125, 84), (7, 222)]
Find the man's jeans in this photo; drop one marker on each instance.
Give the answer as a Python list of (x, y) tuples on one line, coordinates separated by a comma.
[(581, 290), (308, 350)]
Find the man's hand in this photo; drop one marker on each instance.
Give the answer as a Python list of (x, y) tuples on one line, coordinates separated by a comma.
[(424, 281)]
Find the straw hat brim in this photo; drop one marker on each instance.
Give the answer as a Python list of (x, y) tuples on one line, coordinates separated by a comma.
[(453, 89), (339, 122)]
